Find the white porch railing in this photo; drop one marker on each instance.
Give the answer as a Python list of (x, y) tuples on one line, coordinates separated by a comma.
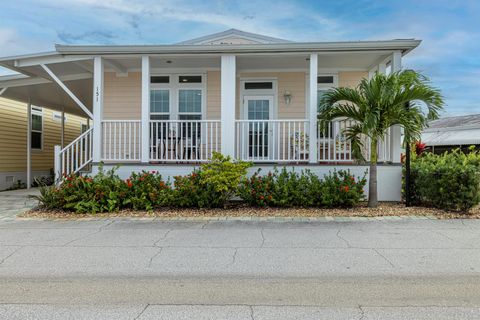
[(333, 145), (183, 140), (121, 140), (272, 140), (75, 156)]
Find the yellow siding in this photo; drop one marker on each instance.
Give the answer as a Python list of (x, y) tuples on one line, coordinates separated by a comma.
[(122, 96), (351, 79), (213, 95), (13, 137)]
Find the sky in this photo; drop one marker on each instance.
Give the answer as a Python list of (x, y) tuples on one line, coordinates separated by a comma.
[(449, 54)]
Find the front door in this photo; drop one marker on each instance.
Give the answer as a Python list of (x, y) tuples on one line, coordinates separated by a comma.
[(257, 136)]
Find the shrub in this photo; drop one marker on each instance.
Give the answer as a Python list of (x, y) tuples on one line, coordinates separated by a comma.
[(146, 191), (210, 186), (450, 181), (340, 189), (290, 189)]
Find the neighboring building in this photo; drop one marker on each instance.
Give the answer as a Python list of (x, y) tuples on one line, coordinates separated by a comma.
[(168, 107), (46, 133), (451, 133)]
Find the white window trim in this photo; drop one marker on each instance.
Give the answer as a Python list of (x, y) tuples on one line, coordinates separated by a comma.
[(39, 112), (174, 87)]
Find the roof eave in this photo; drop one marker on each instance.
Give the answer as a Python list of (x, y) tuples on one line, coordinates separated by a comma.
[(403, 45)]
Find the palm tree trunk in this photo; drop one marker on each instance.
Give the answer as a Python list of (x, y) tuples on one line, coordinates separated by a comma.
[(372, 181)]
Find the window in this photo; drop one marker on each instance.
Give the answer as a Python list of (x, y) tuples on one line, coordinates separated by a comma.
[(325, 83), (190, 79), (190, 104), (160, 104), (178, 99), (160, 79), (83, 128), (258, 85), (36, 141), (325, 80)]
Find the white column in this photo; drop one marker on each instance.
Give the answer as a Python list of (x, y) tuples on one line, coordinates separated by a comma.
[(29, 145), (57, 169), (145, 107), (62, 131), (396, 131), (312, 110), (227, 114), (97, 108)]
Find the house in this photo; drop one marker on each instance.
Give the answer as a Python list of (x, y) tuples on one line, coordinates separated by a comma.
[(47, 131), (451, 133), (168, 107)]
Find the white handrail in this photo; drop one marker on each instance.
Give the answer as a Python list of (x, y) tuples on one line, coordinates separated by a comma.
[(75, 156)]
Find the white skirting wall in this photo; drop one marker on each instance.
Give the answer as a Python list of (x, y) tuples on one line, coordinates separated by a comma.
[(7, 179), (389, 176)]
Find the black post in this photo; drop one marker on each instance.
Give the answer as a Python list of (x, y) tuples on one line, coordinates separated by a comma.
[(407, 166)]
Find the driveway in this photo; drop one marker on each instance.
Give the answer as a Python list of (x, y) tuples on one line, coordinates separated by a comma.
[(151, 269)]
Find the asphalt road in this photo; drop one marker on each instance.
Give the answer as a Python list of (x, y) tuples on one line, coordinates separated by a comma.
[(134, 269)]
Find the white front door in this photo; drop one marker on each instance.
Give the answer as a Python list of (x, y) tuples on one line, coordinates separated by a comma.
[(258, 131)]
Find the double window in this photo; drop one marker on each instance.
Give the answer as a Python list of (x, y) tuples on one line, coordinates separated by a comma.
[(176, 97), (37, 128)]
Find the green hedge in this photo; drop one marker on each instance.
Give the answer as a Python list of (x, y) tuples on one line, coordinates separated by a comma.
[(210, 186), (450, 181), (290, 189)]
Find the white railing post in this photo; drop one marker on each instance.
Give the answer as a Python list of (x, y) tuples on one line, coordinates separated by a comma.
[(396, 132), (145, 137), (312, 112), (227, 114), (97, 108), (57, 163)]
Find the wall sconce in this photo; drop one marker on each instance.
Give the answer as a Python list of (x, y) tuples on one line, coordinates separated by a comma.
[(288, 97)]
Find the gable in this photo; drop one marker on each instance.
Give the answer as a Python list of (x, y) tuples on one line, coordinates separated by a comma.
[(233, 36)]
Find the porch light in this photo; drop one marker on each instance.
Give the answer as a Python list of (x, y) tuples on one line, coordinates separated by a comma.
[(288, 97)]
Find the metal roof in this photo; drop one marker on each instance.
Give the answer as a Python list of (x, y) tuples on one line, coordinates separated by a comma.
[(448, 131)]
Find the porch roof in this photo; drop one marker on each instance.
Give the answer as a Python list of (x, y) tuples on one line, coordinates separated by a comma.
[(73, 64)]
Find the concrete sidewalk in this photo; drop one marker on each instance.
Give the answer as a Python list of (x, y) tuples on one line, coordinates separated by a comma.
[(15, 202), (148, 269)]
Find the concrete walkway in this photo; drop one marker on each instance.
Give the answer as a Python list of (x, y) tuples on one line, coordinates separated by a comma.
[(147, 269), (14, 202)]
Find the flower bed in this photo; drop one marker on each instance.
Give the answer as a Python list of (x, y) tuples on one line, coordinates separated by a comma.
[(211, 186)]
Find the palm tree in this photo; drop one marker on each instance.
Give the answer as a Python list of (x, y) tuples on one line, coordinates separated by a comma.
[(377, 104)]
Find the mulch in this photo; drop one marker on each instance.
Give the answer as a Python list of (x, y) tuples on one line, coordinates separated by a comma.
[(383, 209)]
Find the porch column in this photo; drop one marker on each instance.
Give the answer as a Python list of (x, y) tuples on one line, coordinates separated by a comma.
[(312, 110), (62, 131), (227, 112), (145, 108), (29, 144), (97, 108), (396, 131)]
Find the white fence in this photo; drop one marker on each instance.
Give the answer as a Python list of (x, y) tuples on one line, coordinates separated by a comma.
[(267, 141), (272, 140), (121, 140), (183, 140)]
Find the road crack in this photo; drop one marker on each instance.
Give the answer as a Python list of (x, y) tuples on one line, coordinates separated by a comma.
[(263, 238), (11, 254), (252, 314), (141, 312), (154, 256), (362, 313), (385, 258), (343, 239)]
